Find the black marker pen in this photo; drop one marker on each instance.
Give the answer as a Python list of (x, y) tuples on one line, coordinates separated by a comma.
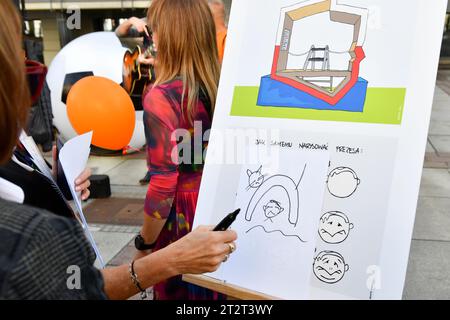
[(227, 221)]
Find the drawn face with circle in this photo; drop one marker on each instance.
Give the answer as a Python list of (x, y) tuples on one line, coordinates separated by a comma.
[(329, 267), (272, 209), (342, 182), (334, 227)]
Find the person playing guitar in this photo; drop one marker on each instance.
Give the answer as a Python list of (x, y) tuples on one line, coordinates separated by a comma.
[(138, 69)]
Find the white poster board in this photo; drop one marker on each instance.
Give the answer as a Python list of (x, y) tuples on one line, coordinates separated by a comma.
[(347, 80)]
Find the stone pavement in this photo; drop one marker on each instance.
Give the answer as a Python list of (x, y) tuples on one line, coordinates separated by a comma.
[(428, 275)]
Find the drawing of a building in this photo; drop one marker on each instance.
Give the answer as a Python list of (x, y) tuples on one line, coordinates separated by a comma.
[(325, 74)]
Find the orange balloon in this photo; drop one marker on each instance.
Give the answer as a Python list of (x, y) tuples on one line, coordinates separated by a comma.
[(100, 105)]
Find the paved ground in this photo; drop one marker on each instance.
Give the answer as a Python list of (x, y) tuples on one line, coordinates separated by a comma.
[(428, 275)]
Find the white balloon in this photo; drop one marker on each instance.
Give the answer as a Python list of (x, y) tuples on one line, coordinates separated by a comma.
[(100, 53), (138, 139)]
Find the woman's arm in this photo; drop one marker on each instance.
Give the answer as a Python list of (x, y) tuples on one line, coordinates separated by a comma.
[(152, 228), (198, 252), (150, 270)]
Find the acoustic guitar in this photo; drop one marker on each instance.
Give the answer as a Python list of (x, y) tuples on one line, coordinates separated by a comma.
[(136, 76)]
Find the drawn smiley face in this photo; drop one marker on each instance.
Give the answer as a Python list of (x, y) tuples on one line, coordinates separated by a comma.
[(329, 267), (334, 227), (342, 182)]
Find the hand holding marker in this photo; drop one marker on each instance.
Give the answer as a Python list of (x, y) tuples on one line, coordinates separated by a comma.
[(224, 225)]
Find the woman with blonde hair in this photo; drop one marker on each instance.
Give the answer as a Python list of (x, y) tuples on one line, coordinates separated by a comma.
[(183, 97)]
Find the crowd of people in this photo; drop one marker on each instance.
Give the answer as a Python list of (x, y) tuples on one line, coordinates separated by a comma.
[(40, 237)]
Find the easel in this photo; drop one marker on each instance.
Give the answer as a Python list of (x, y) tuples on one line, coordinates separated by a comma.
[(231, 291)]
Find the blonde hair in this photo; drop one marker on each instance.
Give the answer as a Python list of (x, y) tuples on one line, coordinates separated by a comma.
[(218, 8), (14, 92), (186, 47)]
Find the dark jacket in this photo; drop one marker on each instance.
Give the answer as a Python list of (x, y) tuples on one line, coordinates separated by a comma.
[(39, 191), (44, 256)]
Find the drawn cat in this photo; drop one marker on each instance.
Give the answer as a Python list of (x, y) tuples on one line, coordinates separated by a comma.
[(255, 179)]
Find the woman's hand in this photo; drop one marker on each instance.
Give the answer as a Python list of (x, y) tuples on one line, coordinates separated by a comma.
[(82, 183), (147, 60), (202, 250)]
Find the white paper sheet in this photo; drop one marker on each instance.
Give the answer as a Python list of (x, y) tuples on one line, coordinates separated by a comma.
[(280, 208), (73, 157), (33, 150)]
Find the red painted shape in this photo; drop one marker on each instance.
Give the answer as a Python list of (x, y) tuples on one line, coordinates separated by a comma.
[(276, 56), (360, 55)]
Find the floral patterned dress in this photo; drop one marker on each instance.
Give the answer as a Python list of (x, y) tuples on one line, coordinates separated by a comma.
[(175, 166)]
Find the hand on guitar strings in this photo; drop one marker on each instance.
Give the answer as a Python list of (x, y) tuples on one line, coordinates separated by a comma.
[(147, 60)]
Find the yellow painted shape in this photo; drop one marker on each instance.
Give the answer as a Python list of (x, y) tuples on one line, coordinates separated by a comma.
[(310, 10)]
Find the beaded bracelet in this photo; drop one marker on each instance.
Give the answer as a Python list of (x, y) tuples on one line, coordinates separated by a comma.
[(136, 282)]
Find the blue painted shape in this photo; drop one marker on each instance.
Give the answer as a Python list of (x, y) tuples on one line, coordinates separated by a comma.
[(274, 93)]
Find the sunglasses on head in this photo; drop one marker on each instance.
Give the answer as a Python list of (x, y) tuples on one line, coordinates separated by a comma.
[(36, 73)]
